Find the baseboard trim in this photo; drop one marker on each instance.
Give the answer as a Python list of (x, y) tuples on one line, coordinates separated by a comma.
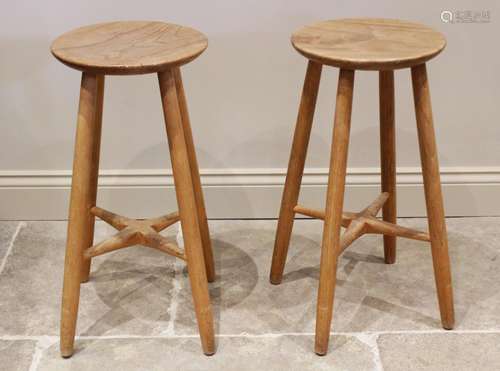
[(242, 193)]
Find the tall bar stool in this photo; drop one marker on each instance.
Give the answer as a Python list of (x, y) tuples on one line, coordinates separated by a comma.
[(382, 45), (129, 48)]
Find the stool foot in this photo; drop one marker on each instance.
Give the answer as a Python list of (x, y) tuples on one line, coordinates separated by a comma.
[(83, 193), (275, 280), (210, 353), (66, 354), (295, 170), (188, 211), (330, 248), (433, 195)]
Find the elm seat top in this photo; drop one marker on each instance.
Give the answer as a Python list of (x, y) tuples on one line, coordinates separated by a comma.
[(368, 43), (130, 47)]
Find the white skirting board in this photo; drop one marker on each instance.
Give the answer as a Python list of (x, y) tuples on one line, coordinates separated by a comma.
[(243, 193)]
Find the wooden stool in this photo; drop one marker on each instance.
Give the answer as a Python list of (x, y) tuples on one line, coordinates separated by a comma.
[(365, 44), (126, 48)]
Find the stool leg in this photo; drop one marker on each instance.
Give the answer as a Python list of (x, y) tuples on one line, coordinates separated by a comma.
[(195, 176), (333, 214), (433, 196), (388, 157), (80, 224), (295, 170), (95, 174), (187, 210)]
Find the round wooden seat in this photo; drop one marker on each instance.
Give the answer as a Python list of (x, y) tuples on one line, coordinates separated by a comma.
[(132, 47), (368, 44)]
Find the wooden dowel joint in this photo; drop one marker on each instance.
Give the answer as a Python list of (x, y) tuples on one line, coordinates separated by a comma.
[(135, 232), (366, 222)]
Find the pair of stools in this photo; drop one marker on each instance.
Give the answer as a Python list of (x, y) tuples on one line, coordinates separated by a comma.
[(126, 48)]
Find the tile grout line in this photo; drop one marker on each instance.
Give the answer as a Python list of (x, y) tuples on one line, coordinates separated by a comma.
[(170, 330), (20, 226), (371, 340), (42, 344), (363, 336), (376, 355)]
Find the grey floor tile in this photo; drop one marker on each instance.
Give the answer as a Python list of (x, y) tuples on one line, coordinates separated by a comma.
[(7, 231), (444, 351), (475, 252), (138, 291), (370, 295), (242, 253), (234, 353), (16, 355), (129, 292)]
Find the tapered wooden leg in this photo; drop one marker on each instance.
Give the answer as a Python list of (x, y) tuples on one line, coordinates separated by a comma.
[(80, 224), (195, 176), (187, 209), (333, 214), (95, 174), (295, 170), (433, 196), (388, 157)]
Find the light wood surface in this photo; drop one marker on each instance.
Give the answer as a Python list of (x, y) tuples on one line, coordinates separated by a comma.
[(368, 221), (80, 223), (135, 232), (188, 209), (123, 48), (368, 43), (330, 247), (388, 157), (347, 217), (295, 170), (131, 47), (383, 45), (195, 177), (358, 225), (433, 195), (95, 173)]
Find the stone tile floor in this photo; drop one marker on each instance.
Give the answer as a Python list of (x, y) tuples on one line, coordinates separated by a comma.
[(136, 311)]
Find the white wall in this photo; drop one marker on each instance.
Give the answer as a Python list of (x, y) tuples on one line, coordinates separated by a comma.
[(243, 94)]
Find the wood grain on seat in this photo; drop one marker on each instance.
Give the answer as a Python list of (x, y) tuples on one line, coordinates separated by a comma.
[(132, 47), (368, 44)]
